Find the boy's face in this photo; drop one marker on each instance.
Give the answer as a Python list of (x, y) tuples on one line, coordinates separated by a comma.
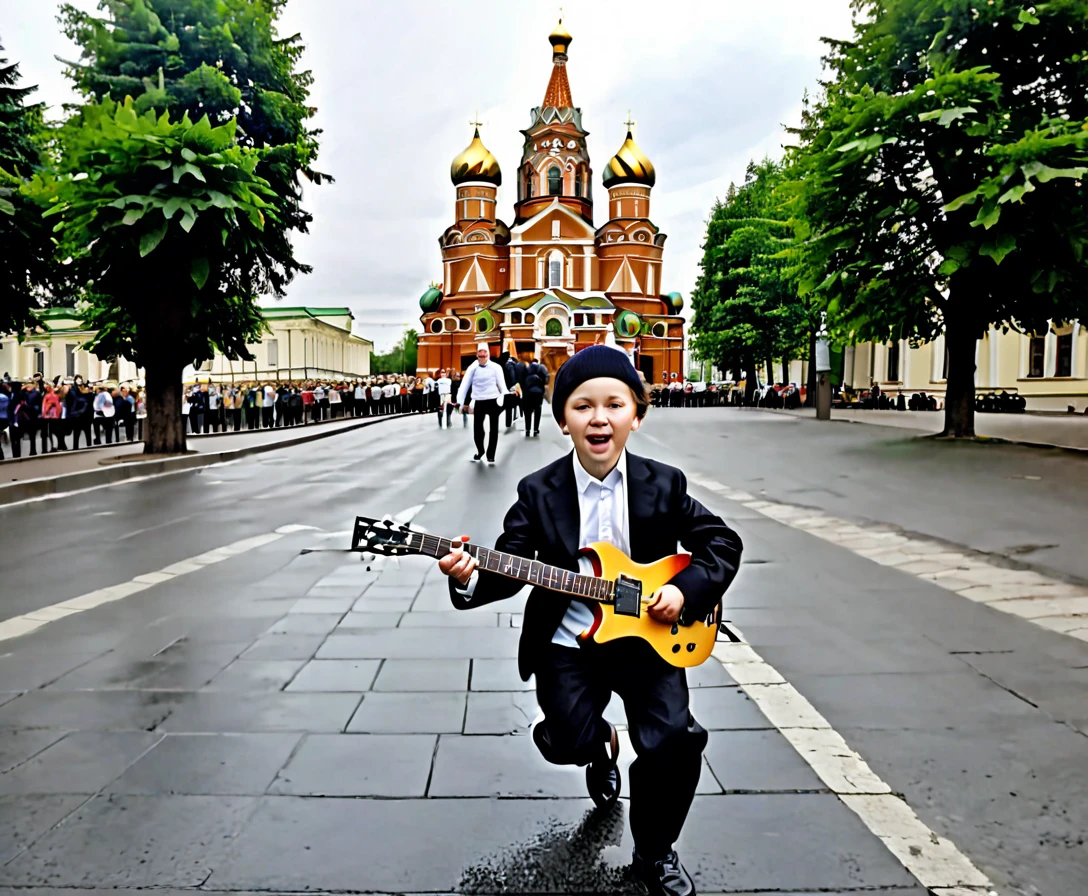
[(599, 416)]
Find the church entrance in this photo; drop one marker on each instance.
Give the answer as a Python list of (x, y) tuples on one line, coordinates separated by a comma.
[(553, 357)]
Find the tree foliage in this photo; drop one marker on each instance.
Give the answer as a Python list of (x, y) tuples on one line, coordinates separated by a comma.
[(24, 237), (403, 357), (940, 186), (220, 58), (745, 303), (166, 222)]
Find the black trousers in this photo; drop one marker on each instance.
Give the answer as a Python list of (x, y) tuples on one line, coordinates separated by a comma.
[(530, 407), (489, 408), (510, 405), (573, 686)]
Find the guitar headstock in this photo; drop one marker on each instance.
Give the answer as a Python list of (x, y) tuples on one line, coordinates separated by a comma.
[(381, 537)]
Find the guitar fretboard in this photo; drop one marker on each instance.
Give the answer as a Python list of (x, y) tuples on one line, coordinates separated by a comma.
[(532, 571)]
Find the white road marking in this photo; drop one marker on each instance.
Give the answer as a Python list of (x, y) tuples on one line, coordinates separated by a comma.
[(28, 622), (180, 519), (1047, 602), (936, 862)]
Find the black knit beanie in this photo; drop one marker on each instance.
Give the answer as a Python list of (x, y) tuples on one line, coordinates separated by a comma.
[(588, 364)]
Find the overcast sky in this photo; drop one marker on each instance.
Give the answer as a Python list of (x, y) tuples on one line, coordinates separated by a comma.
[(710, 85)]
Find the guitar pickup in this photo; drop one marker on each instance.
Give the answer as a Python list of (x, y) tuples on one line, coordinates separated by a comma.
[(627, 596)]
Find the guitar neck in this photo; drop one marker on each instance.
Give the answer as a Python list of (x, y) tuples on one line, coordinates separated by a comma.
[(533, 572)]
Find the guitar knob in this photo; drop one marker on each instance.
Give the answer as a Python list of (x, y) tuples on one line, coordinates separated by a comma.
[(675, 648), (691, 646), (675, 629)]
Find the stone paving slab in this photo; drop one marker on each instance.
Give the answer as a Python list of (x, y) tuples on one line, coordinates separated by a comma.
[(423, 675), (83, 762), (17, 747), (23, 819), (208, 764), (334, 676), (284, 647), (376, 618), (210, 711), (422, 643), (359, 765), (498, 675), (417, 713), (546, 846), (759, 761), (90, 710), (154, 841), (246, 676)]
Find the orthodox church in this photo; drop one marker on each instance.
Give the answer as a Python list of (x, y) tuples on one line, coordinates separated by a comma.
[(551, 283)]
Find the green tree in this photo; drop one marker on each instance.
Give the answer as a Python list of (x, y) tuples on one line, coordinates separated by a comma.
[(221, 58), (167, 225), (745, 304), (24, 236), (940, 188), (402, 358)]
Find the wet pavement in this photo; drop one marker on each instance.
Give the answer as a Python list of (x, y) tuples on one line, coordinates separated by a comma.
[(284, 717)]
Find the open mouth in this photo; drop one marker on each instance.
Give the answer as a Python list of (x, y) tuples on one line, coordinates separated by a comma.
[(598, 440)]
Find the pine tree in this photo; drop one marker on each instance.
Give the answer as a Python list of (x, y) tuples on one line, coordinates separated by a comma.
[(24, 260)]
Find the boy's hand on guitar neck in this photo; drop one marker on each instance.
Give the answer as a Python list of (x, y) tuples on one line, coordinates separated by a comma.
[(458, 563), (667, 604)]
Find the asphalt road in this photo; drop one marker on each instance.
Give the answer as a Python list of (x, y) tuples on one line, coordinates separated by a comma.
[(262, 712)]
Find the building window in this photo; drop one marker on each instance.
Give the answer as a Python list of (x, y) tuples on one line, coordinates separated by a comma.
[(578, 185), (555, 269), (578, 320), (554, 327), (39, 361), (1064, 356), (893, 363), (530, 318), (464, 324), (273, 352), (450, 324), (1036, 355), (555, 182), (69, 360), (515, 317), (436, 325)]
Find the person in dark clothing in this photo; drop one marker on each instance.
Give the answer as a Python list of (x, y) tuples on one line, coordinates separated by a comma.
[(5, 412), (198, 404), (533, 379), (602, 493), (510, 403)]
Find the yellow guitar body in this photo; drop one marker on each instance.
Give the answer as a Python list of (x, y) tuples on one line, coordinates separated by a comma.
[(681, 645)]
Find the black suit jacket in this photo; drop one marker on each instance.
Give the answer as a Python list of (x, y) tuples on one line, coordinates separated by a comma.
[(544, 525)]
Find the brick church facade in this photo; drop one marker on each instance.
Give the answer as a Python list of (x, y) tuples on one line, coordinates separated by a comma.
[(551, 283)]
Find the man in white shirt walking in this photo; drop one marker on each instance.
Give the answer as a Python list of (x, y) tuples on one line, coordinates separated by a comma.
[(488, 384)]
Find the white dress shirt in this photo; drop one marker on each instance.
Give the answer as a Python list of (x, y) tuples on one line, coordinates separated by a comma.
[(487, 381), (603, 516)]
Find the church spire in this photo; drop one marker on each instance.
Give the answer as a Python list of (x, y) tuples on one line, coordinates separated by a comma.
[(558, 92)]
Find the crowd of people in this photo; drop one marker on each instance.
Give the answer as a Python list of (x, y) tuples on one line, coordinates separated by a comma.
[(693, 394), (49, 412)]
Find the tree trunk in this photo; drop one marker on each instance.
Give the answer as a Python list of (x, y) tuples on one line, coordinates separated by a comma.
[(785, 369), (749, 381), (959, 400), (770, 370), (157, 334), (810, 385), (165, 425)]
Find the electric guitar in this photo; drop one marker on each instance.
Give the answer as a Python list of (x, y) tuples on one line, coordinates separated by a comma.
[(619, 588)]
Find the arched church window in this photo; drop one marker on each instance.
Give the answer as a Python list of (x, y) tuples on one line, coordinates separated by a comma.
[(554, 327), (555, 182), (578, 185), (555, 269)]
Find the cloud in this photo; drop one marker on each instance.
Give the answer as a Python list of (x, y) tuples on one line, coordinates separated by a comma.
[(710, 85)]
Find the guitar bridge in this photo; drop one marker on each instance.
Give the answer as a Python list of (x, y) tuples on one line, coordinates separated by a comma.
[(627, 596)]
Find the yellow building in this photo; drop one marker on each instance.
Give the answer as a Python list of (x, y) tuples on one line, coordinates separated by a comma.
[(1050, 371), (302, 343)]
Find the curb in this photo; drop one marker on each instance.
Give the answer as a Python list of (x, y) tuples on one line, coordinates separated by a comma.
[(50, 486), (920, 434)]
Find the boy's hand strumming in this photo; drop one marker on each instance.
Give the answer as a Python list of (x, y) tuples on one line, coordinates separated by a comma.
[(458, 564), (667, 604)]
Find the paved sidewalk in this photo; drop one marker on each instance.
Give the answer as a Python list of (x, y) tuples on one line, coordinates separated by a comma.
[(1034, 429), (59, 463)]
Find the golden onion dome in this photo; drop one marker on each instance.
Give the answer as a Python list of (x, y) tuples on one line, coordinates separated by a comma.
[(629, 166), (476, 163), (560, 39)]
